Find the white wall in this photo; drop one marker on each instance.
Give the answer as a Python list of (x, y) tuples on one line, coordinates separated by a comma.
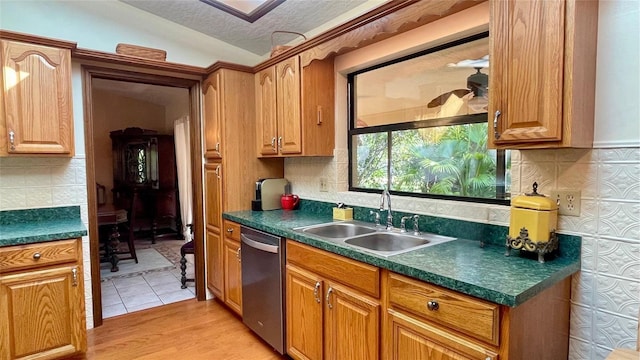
[(606, 292), (101, 25), (618, 74)]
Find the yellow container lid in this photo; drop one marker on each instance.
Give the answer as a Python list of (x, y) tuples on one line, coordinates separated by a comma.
[(534, 201)]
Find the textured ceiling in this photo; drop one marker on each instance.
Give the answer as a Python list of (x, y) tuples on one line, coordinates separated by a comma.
[(292, 15)]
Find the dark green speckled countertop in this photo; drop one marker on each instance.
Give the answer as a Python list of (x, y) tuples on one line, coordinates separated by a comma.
[(461, 265), (29, 226)]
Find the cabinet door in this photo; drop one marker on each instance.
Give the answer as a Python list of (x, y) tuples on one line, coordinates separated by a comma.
[(36, 100), (213, 190), (317, 108), (352, 325), (413, 339), (212, 88), (526, 78), (215, 278), (233, 276), (213, 183), (42, 313), (288, 105), (304, 314), (266, 113)]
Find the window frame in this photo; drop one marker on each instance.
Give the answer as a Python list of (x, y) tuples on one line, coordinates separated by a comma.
[(413, 125)]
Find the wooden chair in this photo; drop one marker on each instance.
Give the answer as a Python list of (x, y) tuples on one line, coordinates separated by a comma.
[(128, 235), (627, 354), (187, 248)]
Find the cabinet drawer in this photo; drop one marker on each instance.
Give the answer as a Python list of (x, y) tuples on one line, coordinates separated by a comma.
[(363, 277), (231, 230), (40, 254), (471, 316)]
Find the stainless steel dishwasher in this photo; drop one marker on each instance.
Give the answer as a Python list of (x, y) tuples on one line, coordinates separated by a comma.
[(263, 285)]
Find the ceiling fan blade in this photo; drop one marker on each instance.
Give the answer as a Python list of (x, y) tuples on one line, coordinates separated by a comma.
[(440, 100)]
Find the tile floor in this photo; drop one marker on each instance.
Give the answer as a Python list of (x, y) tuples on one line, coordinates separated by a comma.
[(139, 292)]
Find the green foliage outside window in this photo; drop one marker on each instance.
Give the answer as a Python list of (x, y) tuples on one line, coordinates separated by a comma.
[(447, 160)]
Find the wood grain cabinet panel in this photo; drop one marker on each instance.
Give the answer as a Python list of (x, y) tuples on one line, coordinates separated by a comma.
[(425, 321), (472, 316), (230, 172), (294, 109), (37, 113), (546, 100), (42, 311), (327, 319), (233, 275), (412, 339), (304, 314), (213, 110), (351, 324), (36, 255)]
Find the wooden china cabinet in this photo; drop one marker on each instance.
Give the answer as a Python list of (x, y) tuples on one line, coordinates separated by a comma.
[(144, 162)]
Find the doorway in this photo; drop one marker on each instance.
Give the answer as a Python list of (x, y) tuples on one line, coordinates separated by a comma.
[(115, 100)]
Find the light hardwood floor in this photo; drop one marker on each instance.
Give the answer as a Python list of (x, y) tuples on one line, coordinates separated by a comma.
[(183, 330)]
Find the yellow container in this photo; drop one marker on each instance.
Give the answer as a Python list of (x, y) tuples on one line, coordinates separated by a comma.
[(343, 214), (536, 213)]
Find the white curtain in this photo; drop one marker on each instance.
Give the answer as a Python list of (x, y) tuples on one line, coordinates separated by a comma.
[(183, 165)]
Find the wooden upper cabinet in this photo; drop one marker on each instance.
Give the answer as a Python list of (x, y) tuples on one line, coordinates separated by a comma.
[(295, 115), (212, 115), (288, 106), (542, 80), (37, 114), (266, 113)]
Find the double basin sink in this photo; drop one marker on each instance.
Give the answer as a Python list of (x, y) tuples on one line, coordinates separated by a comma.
[(373, 239)]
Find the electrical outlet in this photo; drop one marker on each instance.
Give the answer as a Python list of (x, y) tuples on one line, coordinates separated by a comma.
[(323, 184), (568, 201)]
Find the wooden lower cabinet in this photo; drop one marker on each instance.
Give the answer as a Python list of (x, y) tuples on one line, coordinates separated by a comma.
[(233, 276), (304, 314), (425, 321), (339, 308), (327, 318), (351, 324), (42, 312), (412, 339), (215, 278)]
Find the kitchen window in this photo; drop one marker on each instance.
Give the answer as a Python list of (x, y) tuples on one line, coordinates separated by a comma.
[(418, 125)]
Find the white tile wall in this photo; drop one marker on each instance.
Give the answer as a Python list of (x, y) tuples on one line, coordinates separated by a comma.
[(48, 182), (606, 293)]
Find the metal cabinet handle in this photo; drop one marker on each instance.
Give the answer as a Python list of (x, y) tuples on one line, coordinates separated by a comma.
[(316, 289), (280, 142), (496, 134), (319, 119), (37, 256), (12, 139), (218, 147), (230, 230), (238, 255), (433, 305), (328, 299), (273, 143), (74, 275), (218, 171)]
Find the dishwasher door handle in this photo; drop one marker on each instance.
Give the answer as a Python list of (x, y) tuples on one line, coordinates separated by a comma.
[(258, 245)]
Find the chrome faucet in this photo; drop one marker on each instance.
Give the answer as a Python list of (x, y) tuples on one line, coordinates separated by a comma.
[(387, 195), (403, 220), (416, 229)]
